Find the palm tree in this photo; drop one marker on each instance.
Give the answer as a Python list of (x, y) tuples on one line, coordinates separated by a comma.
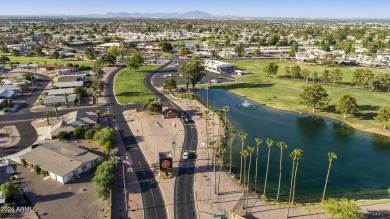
[(222, 151), (299, 155), (211, 142), (231, 133), (47, 116), (22, 86), (243, 137), (66, 98), (244, 153), (282, 146), (269, 143), (96, 95), (258, 142), (225, 110), (331, 156), (250, 152), (56, 105), (295, 155)]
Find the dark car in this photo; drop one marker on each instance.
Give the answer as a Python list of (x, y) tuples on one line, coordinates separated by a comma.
[(185, 119), (34, 146)]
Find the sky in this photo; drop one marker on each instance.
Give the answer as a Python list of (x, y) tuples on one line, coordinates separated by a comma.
[(244, 8)]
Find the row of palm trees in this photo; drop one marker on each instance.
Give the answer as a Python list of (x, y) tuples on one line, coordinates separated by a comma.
[(296, 156)]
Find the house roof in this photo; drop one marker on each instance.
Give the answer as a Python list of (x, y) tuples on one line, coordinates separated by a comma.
[(59, 99), (70, 84), (72, 120), (67, 78), (6, 93), (58, 157), (55, 92)]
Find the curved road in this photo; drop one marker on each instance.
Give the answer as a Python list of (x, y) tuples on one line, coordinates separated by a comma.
[(153, 202), (184, 185)]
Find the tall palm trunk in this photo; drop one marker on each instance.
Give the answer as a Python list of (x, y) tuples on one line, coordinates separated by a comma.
[(242, 148), (295, 179), (56, 113), (247, 187), (257, 161), (231, 157), (280, 172), (244, 181), (326, 182), (266, 174), (291, 187)]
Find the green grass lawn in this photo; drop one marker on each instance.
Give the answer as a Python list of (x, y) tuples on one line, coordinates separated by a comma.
[(183, 95), (127, 85), (283, 94), (34, 60)]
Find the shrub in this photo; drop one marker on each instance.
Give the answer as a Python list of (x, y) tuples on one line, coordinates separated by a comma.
[(104, 179), (63, 135), (23, 162), (342, 209), (37, 169), (89, 134), (12, 178), (78, 132), (107, 147), (5, 110), (104, 135)]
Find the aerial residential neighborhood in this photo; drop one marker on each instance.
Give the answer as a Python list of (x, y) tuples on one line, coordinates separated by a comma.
[(179, 110)]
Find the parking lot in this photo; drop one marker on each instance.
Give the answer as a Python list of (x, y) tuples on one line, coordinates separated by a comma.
[(172, 72)]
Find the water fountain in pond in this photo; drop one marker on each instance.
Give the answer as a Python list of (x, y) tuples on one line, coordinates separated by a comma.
[(246, 105)]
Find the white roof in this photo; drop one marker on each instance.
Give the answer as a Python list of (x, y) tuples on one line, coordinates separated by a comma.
[(55, 92), (6, 93), (217, 64), (70, 84), (59, 99), (7, 82)]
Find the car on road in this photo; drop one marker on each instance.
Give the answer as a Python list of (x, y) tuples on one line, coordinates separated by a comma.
[(214, 81), (34, 146), (167, 75), (184, 119), (185, 155)]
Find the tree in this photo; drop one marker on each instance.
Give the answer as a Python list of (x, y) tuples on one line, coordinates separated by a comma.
[(231, 133), (271, 69), (66, 98), (239, 49), (313, 76), (294, 156), (282, 146), (90, 53), (170, 84), (153, 105), (63, 135), (222, 151), (298, 154), (287, 72), (28, 77), (244, 154), (56, 105), (193, 71), (47, 116), (270, 142), (4, 59), (306, 74), (342, 209), (347, 105), (9, 190), (324, 76), (79, 91), (183, 51), (15, 52), (38, 52), (258, 143), (243, 137), (89, 134), (22, 86), (314, 96), (336, 75), (331, 156), (104, 179), (250, 152), (225, 109), (165, 46), (104, 135), (295, 71), (55, 55), (384, 116), (110, 59), (293, 48), (78, 132), (135, 62)]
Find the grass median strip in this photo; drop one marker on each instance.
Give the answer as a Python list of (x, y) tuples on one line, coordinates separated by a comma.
[(129, 87)]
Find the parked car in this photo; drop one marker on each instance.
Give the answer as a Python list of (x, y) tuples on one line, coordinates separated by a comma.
[(185, 155), (34, 146), (214, 81)]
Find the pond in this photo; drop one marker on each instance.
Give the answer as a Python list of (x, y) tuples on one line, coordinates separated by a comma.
[(362, 169)]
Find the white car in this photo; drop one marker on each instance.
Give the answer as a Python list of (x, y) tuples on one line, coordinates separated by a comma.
[(214, 81), (168, 75), (185, 155)]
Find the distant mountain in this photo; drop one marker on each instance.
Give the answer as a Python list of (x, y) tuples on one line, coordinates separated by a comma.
[(190, 14)]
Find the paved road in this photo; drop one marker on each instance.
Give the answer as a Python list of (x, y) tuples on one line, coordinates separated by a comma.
[(184, 185), (153, 202)]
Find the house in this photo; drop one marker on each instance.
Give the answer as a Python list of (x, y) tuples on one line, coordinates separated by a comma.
[(6, 82), (5, 93), (72, 120), (218, 67), (3, 103), (49, 100), (169, 113), (61, 161), (60, 92), (68, 78), (70, 84)]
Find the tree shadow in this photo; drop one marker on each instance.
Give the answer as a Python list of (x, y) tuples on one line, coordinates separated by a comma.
[(369, 108), (377, 214), (366, 116)]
